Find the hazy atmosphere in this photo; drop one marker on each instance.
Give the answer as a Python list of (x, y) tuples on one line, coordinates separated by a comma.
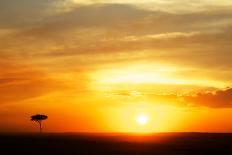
[(116, 65)]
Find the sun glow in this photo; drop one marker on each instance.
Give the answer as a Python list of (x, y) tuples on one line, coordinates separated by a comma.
[(142, 119), (139, 74), (143, 74)]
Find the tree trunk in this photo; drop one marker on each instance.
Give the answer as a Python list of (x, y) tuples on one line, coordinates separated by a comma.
[(40, 127)]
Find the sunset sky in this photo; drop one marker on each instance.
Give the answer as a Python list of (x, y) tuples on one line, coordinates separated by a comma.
[(107, 65)]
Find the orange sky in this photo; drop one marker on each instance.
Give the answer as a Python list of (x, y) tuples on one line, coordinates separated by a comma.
[(95, 66)]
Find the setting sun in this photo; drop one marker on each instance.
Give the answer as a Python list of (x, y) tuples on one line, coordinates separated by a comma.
[(142, 119)]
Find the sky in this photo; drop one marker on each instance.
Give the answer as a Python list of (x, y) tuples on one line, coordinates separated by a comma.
[(97, 65)]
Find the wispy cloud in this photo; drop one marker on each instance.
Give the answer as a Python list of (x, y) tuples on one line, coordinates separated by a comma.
[(211, 98), (97, 35), (216, 99), (21, 82)]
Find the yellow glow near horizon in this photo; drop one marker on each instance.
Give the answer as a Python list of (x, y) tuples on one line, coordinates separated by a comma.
[(138, 74), (148, 74), (146, 117)]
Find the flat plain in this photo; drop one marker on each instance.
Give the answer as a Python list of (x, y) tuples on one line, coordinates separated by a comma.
[(117, 144)]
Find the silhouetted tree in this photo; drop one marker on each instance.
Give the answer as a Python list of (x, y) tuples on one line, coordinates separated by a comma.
[(39, 118)]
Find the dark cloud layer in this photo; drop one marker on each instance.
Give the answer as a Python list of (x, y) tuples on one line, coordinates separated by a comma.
[(218, 99), (103, 28), (210, 97), (24, 14)]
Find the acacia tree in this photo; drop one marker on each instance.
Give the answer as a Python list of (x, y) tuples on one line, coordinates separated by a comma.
[(38, 118)]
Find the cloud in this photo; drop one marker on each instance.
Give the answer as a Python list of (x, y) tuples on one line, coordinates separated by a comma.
[(193, 49), (101, 34), (211, 97), (124, 17), (108, 25), (33, 13), (217, 99), (21, 82), (25, 14), (123, 20)]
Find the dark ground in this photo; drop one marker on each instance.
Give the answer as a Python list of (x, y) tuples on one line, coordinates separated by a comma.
[(117, 144)]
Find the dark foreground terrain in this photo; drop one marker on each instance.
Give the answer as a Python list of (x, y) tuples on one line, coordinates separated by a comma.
[(116, 144)]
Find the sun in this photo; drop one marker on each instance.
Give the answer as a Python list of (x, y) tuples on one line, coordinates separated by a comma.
[(142, 119)]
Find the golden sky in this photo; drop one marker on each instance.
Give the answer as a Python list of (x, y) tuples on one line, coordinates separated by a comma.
[(96, 65)]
